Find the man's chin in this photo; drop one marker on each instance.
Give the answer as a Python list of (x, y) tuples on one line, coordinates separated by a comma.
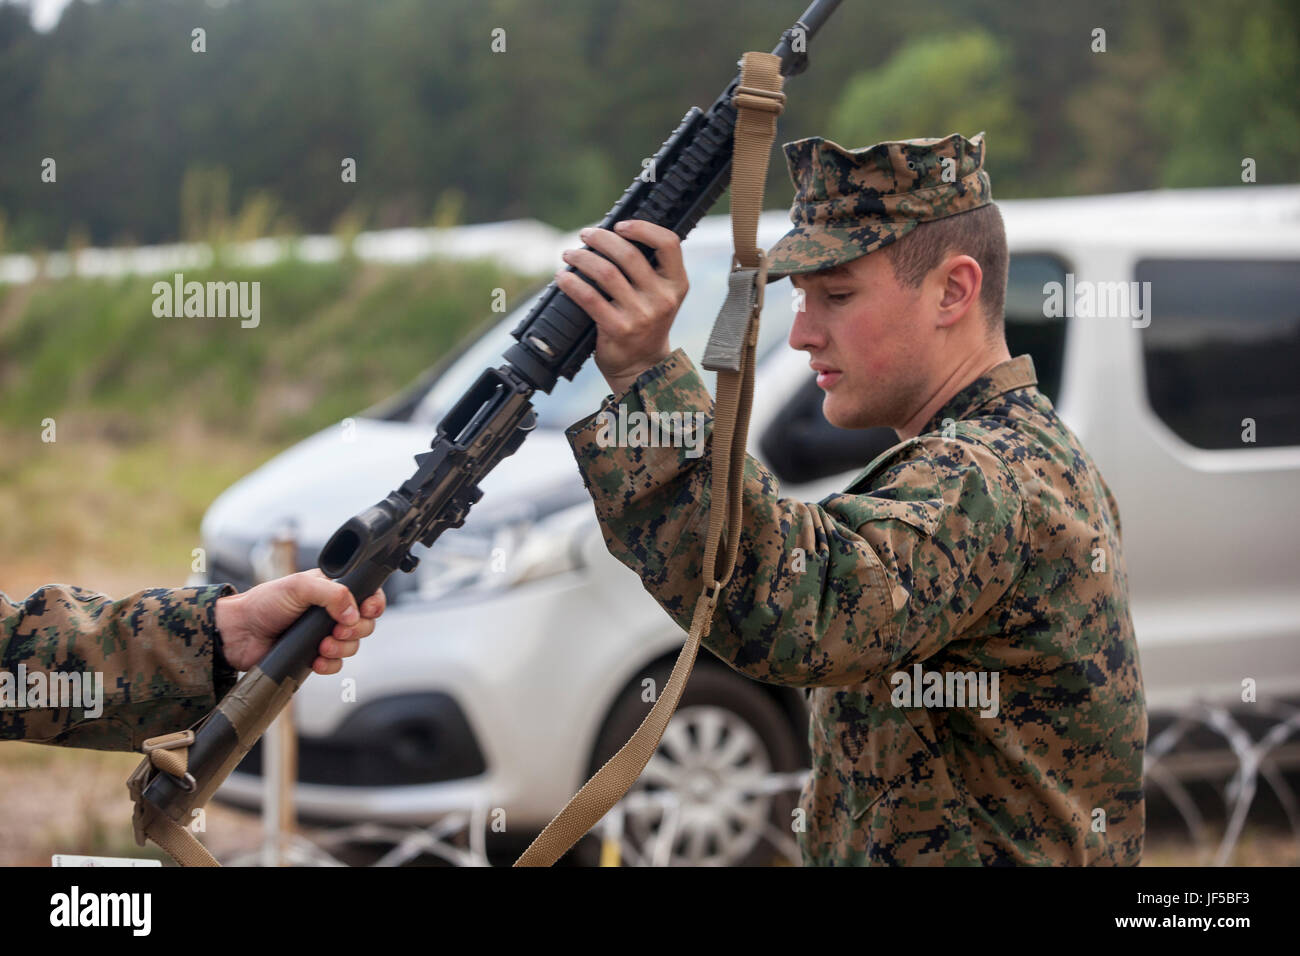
[(838, 416), (841, 417)]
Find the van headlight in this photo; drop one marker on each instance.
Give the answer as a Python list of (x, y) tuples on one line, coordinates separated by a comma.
[(511, 549)]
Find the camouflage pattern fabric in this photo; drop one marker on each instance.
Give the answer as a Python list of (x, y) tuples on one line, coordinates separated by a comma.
[(157, 651), (971, 548), (849, 202)]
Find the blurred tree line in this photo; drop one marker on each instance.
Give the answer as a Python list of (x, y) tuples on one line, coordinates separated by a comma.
[(154, 141)]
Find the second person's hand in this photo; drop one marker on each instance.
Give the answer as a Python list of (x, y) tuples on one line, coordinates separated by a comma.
[(250, 623)]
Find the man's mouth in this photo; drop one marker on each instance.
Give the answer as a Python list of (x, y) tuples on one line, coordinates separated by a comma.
[(826, 375)]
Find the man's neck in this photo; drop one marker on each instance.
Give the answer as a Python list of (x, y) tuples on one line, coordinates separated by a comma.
[(962, 374)]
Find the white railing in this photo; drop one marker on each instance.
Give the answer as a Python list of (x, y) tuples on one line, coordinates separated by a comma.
[(524, 245)]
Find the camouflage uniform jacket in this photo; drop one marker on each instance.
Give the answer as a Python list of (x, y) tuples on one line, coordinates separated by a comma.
[(157, 651), (973, 548)]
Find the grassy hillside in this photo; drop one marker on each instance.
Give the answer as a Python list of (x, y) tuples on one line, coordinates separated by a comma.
[(155, 416)]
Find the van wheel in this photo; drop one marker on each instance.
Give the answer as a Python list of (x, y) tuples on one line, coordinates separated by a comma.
[(696, 803)]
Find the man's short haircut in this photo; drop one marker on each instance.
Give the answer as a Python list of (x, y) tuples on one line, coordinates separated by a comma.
[(979, 234)]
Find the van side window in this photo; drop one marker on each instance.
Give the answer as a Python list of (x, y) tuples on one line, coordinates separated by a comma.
[(800, 445), (1028, 329), (1223, 346)]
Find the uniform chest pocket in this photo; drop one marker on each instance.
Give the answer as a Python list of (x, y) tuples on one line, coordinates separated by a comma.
[(880, 792), (911, 815), (895, 758), (866, 744)]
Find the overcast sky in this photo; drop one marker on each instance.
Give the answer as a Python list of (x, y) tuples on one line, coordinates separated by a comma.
[(45, 13)]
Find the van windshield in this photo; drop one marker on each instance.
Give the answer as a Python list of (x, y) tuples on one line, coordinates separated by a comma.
[(706, 269)]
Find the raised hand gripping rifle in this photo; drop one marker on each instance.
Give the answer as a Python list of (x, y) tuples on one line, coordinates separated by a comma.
[(181, 771)]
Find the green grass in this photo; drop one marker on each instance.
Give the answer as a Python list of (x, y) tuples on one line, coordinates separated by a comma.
[(332, 339), (156, 416)]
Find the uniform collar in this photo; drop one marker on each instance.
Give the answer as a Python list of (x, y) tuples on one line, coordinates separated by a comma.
[(1002, 378)]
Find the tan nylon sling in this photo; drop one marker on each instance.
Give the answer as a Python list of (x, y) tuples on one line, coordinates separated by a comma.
[(169, 754), (758, 101)]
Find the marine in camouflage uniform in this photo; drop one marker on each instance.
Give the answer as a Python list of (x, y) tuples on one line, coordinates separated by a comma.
[(158, 649), (970, 548)]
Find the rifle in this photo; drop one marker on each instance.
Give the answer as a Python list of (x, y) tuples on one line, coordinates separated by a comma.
[(487, 424)]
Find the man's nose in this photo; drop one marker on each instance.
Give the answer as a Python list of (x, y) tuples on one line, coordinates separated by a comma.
[(805, 332)]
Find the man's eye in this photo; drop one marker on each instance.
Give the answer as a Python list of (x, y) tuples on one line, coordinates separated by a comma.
[(838, 296)]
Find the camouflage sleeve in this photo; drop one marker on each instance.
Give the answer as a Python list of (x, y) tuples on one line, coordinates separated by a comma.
[(827, 594), (79, 669)]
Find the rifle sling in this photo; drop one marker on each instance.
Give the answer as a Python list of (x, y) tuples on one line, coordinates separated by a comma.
[(758, 101)]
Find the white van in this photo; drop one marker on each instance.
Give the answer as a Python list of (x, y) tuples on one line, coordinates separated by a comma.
[(510, 664)]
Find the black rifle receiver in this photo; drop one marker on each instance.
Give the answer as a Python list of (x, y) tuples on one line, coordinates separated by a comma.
[(487, 424)]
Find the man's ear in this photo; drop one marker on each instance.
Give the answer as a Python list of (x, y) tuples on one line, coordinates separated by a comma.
[(962, 279)]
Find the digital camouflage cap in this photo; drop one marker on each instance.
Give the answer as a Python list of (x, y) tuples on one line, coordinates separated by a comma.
[(849, 202)]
